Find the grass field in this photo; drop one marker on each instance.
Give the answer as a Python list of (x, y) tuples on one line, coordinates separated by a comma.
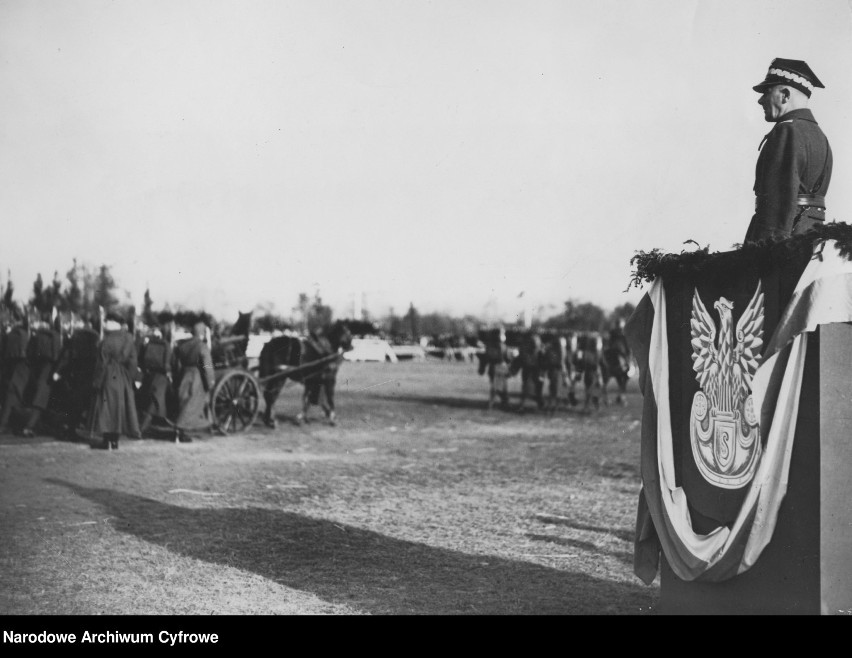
[(420, 501)]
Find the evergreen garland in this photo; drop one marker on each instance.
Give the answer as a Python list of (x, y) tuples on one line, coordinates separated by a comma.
[(755, 256)]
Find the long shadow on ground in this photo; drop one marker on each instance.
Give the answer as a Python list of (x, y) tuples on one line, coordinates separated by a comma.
[(442, 401), (480, 404), (624, 556), (623, 534), (364, 569)]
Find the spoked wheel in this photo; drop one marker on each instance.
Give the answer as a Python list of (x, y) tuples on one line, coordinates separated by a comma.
[(235, 401)]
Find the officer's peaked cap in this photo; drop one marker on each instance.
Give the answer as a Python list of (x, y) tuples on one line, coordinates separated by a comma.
[(792, 72)]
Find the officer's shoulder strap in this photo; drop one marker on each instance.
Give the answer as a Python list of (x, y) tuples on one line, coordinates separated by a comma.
[(767, 135)]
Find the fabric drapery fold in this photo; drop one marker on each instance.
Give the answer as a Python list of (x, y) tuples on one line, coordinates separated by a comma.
[(822, 295)]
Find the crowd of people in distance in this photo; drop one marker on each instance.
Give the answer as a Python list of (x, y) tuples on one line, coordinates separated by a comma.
[(102, 380)]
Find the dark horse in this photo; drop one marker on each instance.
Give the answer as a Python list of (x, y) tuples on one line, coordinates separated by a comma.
[(591, 368), (529, 363), (617, 357), (317, 358), (229, 351), (495, 360), (554, 365)]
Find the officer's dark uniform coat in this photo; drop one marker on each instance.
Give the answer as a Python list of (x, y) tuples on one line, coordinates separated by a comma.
[(795, 159), (43, 354), (76, 368), (194, 368), (155, 359), (16, 369), (114, 404)]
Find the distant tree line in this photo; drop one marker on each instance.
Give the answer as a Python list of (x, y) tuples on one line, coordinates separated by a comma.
[(85, 288), (587, 317), (576, 316), (81, 291)]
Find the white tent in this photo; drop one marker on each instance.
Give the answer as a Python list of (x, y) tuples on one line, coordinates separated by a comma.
[(370, 349)]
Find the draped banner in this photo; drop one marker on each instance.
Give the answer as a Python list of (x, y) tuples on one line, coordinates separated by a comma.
[(721, 358)]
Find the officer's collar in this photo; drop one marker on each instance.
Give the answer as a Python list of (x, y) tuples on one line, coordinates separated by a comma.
[(803, 113)]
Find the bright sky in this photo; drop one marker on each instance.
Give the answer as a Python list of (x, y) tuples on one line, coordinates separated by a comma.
[(449, 153)]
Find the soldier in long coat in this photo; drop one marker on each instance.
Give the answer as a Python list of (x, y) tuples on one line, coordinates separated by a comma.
[(113, 410), (155, 360), (43, 354), (795, 162), (16, 371), (76, 370), (193, 368)]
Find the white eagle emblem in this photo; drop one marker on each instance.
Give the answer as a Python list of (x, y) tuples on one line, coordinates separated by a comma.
[(723, 427)]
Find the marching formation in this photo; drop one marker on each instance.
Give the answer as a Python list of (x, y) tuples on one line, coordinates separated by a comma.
[(551, 365), (101, 380)]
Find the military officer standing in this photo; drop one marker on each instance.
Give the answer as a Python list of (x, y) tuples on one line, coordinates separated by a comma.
[(155, 359), (76, 370), (16, 369), (113, 409), (794, 166), (43, 353), (193, 369)]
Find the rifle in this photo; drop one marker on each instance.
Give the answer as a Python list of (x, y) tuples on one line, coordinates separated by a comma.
[(28, 325), (170, 327), (171, 337), (56, 324), (131, 321)]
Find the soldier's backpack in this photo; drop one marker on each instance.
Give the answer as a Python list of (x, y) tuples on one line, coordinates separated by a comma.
[(494, 352), (15, 344), (156, 355), (554, 356), (531, 351), (46, 345)]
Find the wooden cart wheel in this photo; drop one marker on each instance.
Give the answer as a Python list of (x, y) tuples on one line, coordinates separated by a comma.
[(235, 401)]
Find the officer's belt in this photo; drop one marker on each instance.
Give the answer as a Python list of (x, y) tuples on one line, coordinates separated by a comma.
[(811, 200)]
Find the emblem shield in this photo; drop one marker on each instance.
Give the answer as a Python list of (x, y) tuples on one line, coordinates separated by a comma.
[(723, 427)]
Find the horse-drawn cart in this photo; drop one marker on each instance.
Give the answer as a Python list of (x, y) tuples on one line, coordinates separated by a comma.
[(235, 398)]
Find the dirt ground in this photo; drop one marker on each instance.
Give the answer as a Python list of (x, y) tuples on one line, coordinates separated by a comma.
[(419, 501)]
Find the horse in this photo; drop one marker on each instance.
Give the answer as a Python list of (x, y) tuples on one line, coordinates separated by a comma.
[(528, 362), (229, 351), (592, 368), (617, 359), (571, 372), (494, 360), (323, 350), (554, 368)]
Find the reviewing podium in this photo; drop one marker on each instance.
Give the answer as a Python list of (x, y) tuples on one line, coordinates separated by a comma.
[(745, 362)]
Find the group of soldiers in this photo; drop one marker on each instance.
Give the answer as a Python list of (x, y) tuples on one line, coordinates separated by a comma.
[(102, 379), (551, 365)]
